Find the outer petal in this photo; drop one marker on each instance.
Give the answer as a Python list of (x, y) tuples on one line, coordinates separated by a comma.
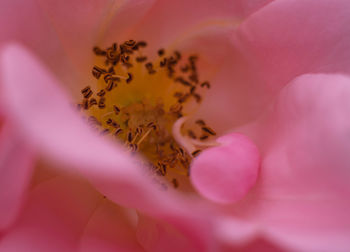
[(302, 199), (16, 164), (60, 215), (57, 131), (289, 38)]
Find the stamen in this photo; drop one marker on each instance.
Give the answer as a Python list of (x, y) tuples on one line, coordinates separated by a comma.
[(149, 117)]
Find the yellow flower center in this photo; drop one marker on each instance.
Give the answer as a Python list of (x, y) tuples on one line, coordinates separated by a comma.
[(138, 101)]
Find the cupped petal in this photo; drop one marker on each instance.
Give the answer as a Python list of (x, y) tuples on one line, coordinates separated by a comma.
[(226, 173), (35, 101), (302, 196), (16, 165)]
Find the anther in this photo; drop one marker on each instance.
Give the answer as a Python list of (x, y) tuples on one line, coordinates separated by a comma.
[(141, 59), (204, 137), (111, 84), (182, 81), (175, 183), (200, 122), (196, 153), (209, 130), (85, 104), (97, 71), (101, 93), (116, 110), (118, 131), (101, 103), (129, 78), (161, 52), (192, 134), (99, 51), (205, 84), (104, 132), (92, 102)]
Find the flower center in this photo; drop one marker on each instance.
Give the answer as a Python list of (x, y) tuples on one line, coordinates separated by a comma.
[(140, 101)]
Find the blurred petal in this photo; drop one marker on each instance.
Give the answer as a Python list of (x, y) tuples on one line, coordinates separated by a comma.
[(109, 229), (16, 164), (302, 197), (53, 218)]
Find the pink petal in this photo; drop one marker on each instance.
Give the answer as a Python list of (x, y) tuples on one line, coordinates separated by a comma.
[(57, 131), (302, 196), (288, 38), (60, 215), (16, 164), (26, 23), (226, 173), (169, 20)]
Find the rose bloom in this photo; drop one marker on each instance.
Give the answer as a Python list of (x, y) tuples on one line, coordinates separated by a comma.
[(208, 126)]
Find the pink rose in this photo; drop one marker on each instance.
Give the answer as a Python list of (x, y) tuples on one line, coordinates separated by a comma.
[(276, 176)]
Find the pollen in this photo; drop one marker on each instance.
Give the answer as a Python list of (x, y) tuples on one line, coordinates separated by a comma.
[(137, 99)]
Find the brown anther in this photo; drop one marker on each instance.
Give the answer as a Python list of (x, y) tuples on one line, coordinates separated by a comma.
[(129, 137), (161, 52), (118, 131), (129, 78), (111, 84), (116, 110), (130, 42), (92, 102), (109, 121), (141, 44), (209, 130), (125, 58), (85, 104), (163, 62), (98, 51), (152, 125), (178, 94), (139, 130), (105, 132), (175, 183), (93, 120), (182, 81), (204, 137), (177, 55), (149, 67), (192, 134), (101, 103), (85, 89), (205, 84), (192, 89), (101, 93), (141, 59), (181, 151), (197, 97), (200, 122), (97, 71), (87, 94), (183, 98), (196, 153), (185, 68), (176, 108)]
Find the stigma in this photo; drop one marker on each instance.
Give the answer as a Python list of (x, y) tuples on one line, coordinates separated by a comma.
[(144, 101)]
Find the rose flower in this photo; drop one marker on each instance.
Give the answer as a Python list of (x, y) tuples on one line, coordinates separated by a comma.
[(157, 125)]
